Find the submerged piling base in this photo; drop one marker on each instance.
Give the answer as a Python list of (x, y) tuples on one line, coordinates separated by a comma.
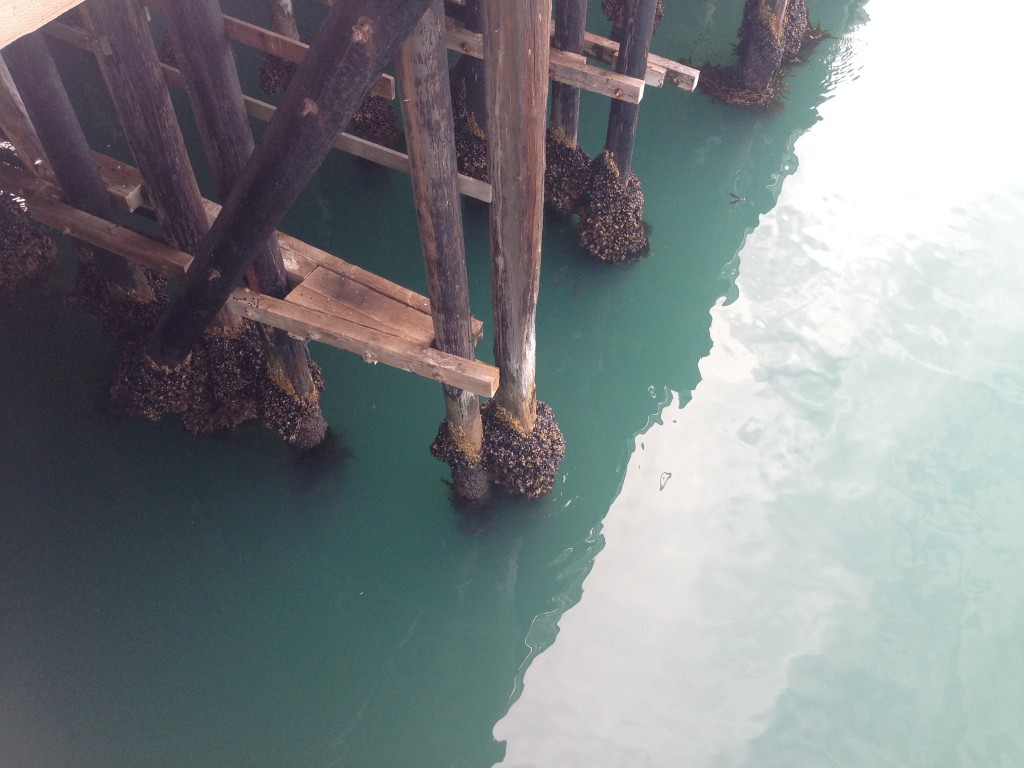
[(222, 384), (765, 50), (524, 465), (566, 171), (470, 480), (25, 253), (611, 226), (118, 313)]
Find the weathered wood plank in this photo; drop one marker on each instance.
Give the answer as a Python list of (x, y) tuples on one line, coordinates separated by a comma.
[(372, 345), (324, 288), (300, 258), (474, 376), (21, 16), (346, 142), (679, 75), (562, 67), (124, 182), (45, 207)]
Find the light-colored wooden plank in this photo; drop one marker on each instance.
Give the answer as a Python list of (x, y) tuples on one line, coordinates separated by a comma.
[(45, 207), (390, 158), (324, 289), (563, 67), (300, 258), (679, 75), (124, 182), (372, 345), (23, 16), (285, 48)]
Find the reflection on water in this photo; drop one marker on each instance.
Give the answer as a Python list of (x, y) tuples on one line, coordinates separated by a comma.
[(784, 533)]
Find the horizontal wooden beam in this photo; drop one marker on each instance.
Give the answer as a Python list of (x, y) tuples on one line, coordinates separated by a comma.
[(45, 207), (563, 67), (672, 72), (372, 345), (20, 17), (354, 328), (285, 48), (346, 142)]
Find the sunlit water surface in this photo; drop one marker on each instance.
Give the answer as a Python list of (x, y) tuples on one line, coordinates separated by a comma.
[(785, 533)]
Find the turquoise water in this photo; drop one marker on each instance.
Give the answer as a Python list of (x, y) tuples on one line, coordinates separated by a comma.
[(785, 532)]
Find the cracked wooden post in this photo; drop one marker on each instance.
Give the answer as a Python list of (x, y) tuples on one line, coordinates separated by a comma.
[(570, 25), (567, 167), (136, 85), (521, 439), (430, 133), (17, 127), (275, 73), (355, 42), (108, 287), (611, 226), (291, 404), (632, 61)]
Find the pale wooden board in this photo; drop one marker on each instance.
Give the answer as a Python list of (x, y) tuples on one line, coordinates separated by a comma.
[(324, 290), (19, 17), (372, 345), (564, 67), (124, 182), (368, 150), (679, 75)]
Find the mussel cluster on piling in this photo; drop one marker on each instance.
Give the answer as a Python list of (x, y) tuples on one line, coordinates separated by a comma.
[(470, 139), (566, 169), (764, 50), (120, 315), (274, 73), (298, 420), (524, 465), (223, 383), (611, 226), (470, 481), (376, 121), (25, 253)]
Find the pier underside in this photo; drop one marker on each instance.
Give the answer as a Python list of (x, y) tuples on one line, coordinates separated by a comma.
[(330, 301)]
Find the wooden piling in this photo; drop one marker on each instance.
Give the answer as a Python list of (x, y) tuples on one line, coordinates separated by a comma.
[(355, 42), (282, 18), (208, 66), (567, 166), (16, 125), (523, 450), (143, 105), (430, 134), (570, 26), (64, 144), (632, 61)]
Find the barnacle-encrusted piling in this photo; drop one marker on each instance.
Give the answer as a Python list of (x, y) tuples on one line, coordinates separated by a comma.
[(524, 462), (25, 253), (611, 226)]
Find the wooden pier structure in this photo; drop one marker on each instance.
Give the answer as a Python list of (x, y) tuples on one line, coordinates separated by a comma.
[(231, 262)]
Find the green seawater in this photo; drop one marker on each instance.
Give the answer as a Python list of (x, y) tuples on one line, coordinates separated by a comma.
[(785, 532)]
